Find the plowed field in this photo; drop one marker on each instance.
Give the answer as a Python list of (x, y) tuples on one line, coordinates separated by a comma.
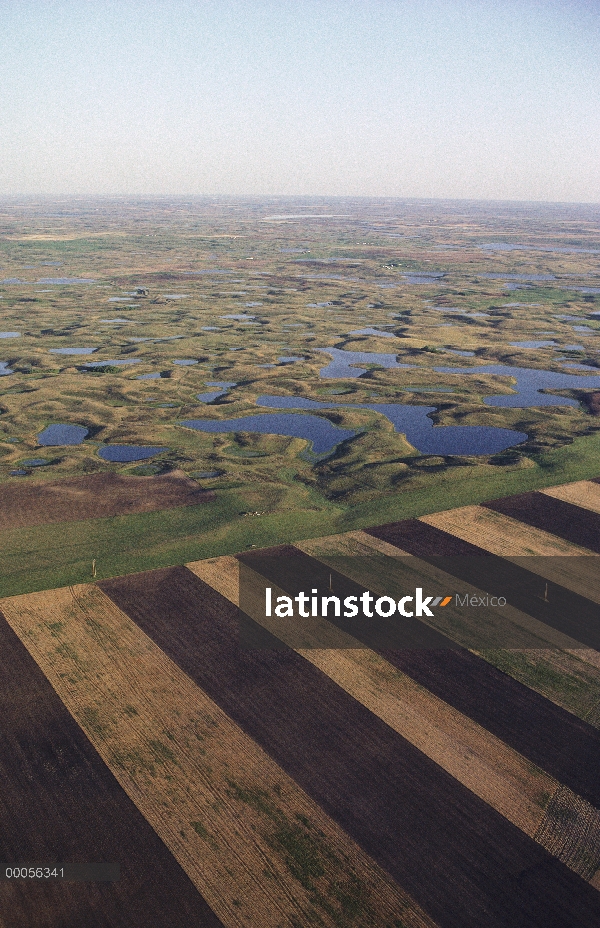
[(96, 496)]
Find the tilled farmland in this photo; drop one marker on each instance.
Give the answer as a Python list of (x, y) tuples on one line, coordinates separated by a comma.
[(330, 779)]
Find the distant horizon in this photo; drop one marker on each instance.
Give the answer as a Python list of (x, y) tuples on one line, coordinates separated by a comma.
[(287, 196)]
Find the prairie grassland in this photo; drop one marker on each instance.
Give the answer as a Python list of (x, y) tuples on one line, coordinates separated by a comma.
[(245, 833), (234, 291)]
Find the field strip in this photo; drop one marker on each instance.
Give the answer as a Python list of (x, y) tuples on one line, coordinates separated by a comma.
[(553, 558), (477, 759), (584, 493), (403, 809), (60, 803), (234, 821), (365, 544), (538, 510)]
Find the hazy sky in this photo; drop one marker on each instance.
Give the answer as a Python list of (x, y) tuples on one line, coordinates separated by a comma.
[(433, 98)]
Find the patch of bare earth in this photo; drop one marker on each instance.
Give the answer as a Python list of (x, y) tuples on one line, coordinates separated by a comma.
[(95, 496)]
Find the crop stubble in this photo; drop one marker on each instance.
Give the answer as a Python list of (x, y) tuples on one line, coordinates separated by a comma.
[(228, 814), (410, 815)]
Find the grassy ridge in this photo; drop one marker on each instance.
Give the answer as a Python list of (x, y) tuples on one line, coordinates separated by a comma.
[(51, 556)]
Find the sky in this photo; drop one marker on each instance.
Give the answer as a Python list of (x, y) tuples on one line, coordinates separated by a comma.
[(437, 98)]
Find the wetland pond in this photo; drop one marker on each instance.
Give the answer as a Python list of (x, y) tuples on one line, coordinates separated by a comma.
[(320, 432), (124, 454), (224, 388), (376, 333), (529, 383), (415, 423), (72, 350), (62, 434), (339, 366)]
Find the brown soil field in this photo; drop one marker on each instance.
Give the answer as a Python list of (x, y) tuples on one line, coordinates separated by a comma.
[(553, 558), (473, 756), (584, 493), (96, 496), (59, 803), (410, 815), (245, 834), (574, 524)]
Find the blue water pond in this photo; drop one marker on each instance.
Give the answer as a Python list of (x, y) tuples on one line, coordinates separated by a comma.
[(123, 454), (414, 422), (72, 350), (320, 432), (529, 382), (341, 361), (62, 434)]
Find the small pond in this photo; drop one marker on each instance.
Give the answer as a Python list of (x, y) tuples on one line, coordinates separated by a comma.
[(72, 350), (320, 432), (341, 361), (529, 383), (533, 344), (422, 278), (123, 454), (35, 462), (528, 277), (414, 422), (185, 362), (289, 360), (375, 332), (65, 280), (10, 334), (5, 369), (62, 434), (155, 376), (224, 388)]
